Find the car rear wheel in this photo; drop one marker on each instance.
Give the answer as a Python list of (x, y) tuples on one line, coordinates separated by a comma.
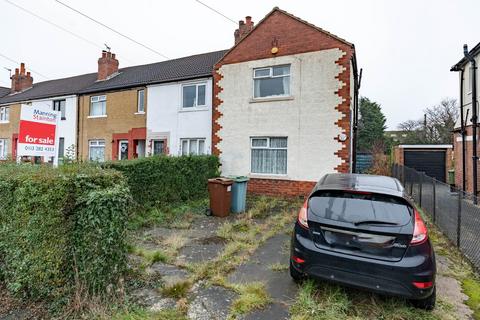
[(427, 303), (296, 275)]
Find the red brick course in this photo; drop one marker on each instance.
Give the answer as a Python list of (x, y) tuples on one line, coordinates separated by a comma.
[(275, 187), (469, 164)]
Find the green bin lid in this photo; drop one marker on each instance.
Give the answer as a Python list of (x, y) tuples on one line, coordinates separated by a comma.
[(239, 178)]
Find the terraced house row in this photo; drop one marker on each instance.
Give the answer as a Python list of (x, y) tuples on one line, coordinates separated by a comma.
[(278, 106)]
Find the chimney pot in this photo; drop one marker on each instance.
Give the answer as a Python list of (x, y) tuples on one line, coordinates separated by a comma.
[(244, 28), (20, 80), (107, 65)]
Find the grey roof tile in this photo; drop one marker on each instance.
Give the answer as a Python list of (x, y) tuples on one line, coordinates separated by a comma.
[(190, 67)]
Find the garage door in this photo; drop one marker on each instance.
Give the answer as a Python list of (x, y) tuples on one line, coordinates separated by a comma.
[(429, 161)]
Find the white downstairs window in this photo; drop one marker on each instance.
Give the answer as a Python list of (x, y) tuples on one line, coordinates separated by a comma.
[(269, 155), (3, 149), (192, 146), (96, 150)]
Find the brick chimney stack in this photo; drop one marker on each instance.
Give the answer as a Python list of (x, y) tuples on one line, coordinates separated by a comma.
[(21, 80), (107, 65), (244, 28)]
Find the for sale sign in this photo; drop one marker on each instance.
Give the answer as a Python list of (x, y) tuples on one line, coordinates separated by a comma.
[(37, 131)]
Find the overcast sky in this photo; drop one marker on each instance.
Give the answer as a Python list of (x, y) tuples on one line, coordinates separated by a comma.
[(406, 48)]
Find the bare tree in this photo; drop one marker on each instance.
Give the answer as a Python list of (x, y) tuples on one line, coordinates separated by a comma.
[(437, 125)]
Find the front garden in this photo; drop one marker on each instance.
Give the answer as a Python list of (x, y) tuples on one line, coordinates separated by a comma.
[(106, 243)]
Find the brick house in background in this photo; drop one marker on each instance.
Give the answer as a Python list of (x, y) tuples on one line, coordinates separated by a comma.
[(60, 94), (465, 71), (143, 110), (283, 104)]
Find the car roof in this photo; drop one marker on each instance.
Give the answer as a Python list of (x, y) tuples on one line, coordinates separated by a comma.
[(361, 182)]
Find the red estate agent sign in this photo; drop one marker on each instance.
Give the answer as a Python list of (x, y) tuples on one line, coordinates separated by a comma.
[(37, 132)]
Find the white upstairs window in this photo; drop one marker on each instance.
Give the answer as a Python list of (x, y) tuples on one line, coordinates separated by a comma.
[(193, 95), (4, 114), (141, 101), (271, 81), (98, 106)]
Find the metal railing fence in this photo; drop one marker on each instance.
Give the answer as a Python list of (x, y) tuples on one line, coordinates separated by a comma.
[(453, 211)]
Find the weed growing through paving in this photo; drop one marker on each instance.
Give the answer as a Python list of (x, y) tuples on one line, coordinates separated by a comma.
[(177, 290), (140, 314), (279, 267), (252, 296)]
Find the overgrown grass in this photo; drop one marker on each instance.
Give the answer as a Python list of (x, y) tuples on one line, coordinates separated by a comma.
[(279, 267), (150, 256), (323, 301), (141, 314), (252, 296), (177, 290), (172, 216), (460, 268)]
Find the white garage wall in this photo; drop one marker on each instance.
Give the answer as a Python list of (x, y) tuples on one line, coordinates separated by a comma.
[(167, 120)]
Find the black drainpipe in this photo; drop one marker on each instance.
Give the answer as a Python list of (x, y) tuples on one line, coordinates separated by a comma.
[(474, 118), (462, 128)]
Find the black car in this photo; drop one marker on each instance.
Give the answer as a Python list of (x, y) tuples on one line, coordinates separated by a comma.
[(363, 231)]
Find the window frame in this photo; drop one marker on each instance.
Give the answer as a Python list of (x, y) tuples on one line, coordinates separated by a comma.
[(64, 115), (138, 101), (268, 147), (271, 76), (5, 114), (188, 146), (3, 148), (100, 98), (164, 149), (97, 145), (196, 105)]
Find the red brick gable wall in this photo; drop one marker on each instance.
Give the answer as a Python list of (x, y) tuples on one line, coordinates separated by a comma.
[(290, 35)]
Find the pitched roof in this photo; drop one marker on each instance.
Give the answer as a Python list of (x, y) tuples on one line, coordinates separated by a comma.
[(4, 91), (52, 88), (196, 66), (277, 9), (460, 64)]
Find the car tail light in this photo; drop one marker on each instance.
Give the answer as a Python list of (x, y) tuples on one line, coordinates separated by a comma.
[(423, 285), (302, 215), (297, 259), (419, 230)]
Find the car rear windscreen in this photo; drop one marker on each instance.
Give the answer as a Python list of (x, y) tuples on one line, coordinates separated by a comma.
[(356, 208)]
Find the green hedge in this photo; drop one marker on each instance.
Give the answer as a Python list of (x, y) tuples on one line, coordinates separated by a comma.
[(62, 230), (162, 180)]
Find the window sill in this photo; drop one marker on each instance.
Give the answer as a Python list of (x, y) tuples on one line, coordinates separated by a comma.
[(93, 117), (269, 176), (193, 109), (3, 121), (268, 99), (140, 113)]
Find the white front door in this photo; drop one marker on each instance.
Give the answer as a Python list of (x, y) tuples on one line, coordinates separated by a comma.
[(123, 150)]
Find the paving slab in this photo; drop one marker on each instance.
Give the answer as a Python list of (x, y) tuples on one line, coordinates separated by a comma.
[(278, 284), (170, 274), (146, 297), (211, 303), (277, 311), (200, 250)]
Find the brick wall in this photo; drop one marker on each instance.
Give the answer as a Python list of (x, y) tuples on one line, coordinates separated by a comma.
[(121, 119), (469, 165), (9, 129), (275, 187)]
